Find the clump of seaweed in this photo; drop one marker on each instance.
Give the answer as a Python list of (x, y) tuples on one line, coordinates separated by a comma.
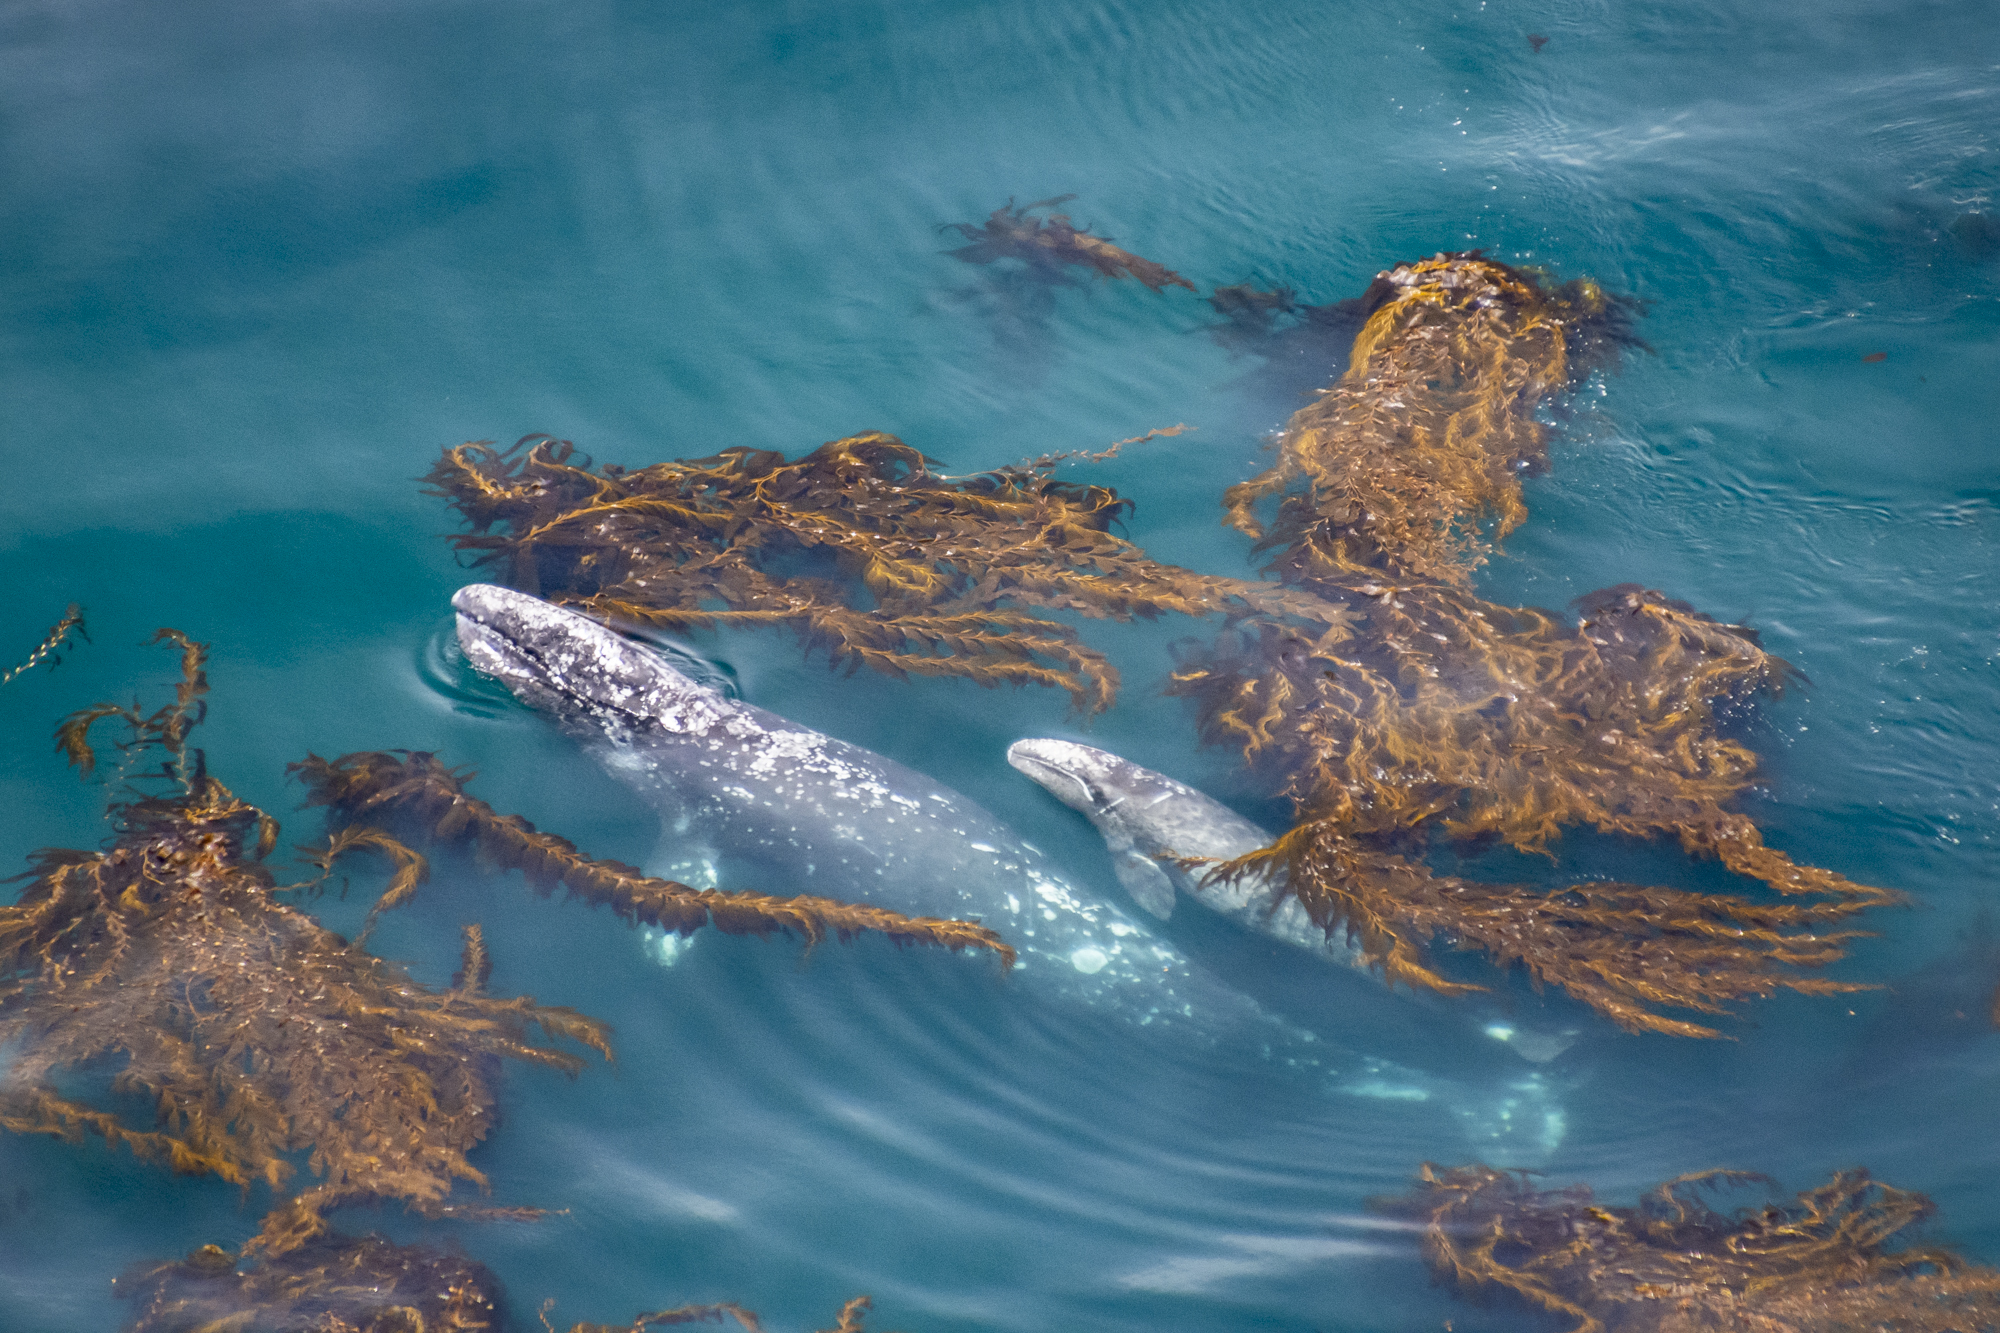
[(170, 961), (50, 648), (413, 788), (367, 1284), (859, 548), (329, 1284), (1393, 470), (1838, 1257), (1421, 706), (1050, 245)]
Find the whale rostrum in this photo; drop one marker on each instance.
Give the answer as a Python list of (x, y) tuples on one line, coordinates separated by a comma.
[(1155, 827)]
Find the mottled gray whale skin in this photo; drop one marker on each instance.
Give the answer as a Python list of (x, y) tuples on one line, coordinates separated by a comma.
[(831, 818), (1145, 816)]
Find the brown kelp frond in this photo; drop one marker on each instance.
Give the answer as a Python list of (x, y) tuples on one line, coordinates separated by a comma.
[(682, 1314), (850, 1318), (411, 868), (1628, 951), (1427, 435), (331, 1284), (414, 786), (166, 728), (255, 1033), (1839, 1257), (1053, 243), (859, 548), (50, 648)]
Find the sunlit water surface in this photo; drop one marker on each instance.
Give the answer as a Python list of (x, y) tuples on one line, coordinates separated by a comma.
[(261, 261)]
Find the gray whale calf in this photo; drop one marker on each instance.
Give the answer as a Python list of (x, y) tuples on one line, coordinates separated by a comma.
[(1145, 816), (831, 818)]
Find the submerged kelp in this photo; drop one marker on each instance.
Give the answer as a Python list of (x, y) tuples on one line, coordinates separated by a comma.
[(1424, 707), (413, 787), (849, 1320), (1838, 1257), (170, 963), (859, 548), (1049, 245), (366, 1284), (330, 1284), (50, 648)]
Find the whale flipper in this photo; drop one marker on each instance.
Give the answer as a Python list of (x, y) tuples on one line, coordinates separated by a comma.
[(1146, 880)]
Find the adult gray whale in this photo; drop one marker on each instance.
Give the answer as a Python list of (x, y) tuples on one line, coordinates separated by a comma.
[(1145, 816), (834, 818)]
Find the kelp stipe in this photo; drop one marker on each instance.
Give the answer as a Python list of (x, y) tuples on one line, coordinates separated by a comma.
[(50, 648), (859, 548), (1838, 1257), (255, 1032), (1421, 707), (414, 787), (1049, 245), (330, 1284)]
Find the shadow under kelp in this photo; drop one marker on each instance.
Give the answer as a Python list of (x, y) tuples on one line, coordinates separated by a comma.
[(1839, 1256)]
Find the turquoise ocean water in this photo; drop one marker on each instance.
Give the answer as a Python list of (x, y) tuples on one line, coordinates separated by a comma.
[(259, 263)]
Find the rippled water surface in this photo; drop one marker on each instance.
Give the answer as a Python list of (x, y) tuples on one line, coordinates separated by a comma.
[(261, 261)]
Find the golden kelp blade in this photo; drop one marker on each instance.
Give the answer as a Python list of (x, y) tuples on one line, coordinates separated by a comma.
[(334, 1284), (1053, 243), (52, 643), (255, 1033), (1836, 1258), (415, 786), (858, 548)]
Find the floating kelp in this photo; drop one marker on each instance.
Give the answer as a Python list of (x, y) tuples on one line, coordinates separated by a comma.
[(330, 1284), (1838, 1257), (1390, 473), (1421, 706), (859, 548), (170, 962), (49, 649), (1051, 244), (414, 788)]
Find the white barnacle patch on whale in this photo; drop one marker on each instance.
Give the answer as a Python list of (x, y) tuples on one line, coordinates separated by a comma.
[(1089, 959)]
